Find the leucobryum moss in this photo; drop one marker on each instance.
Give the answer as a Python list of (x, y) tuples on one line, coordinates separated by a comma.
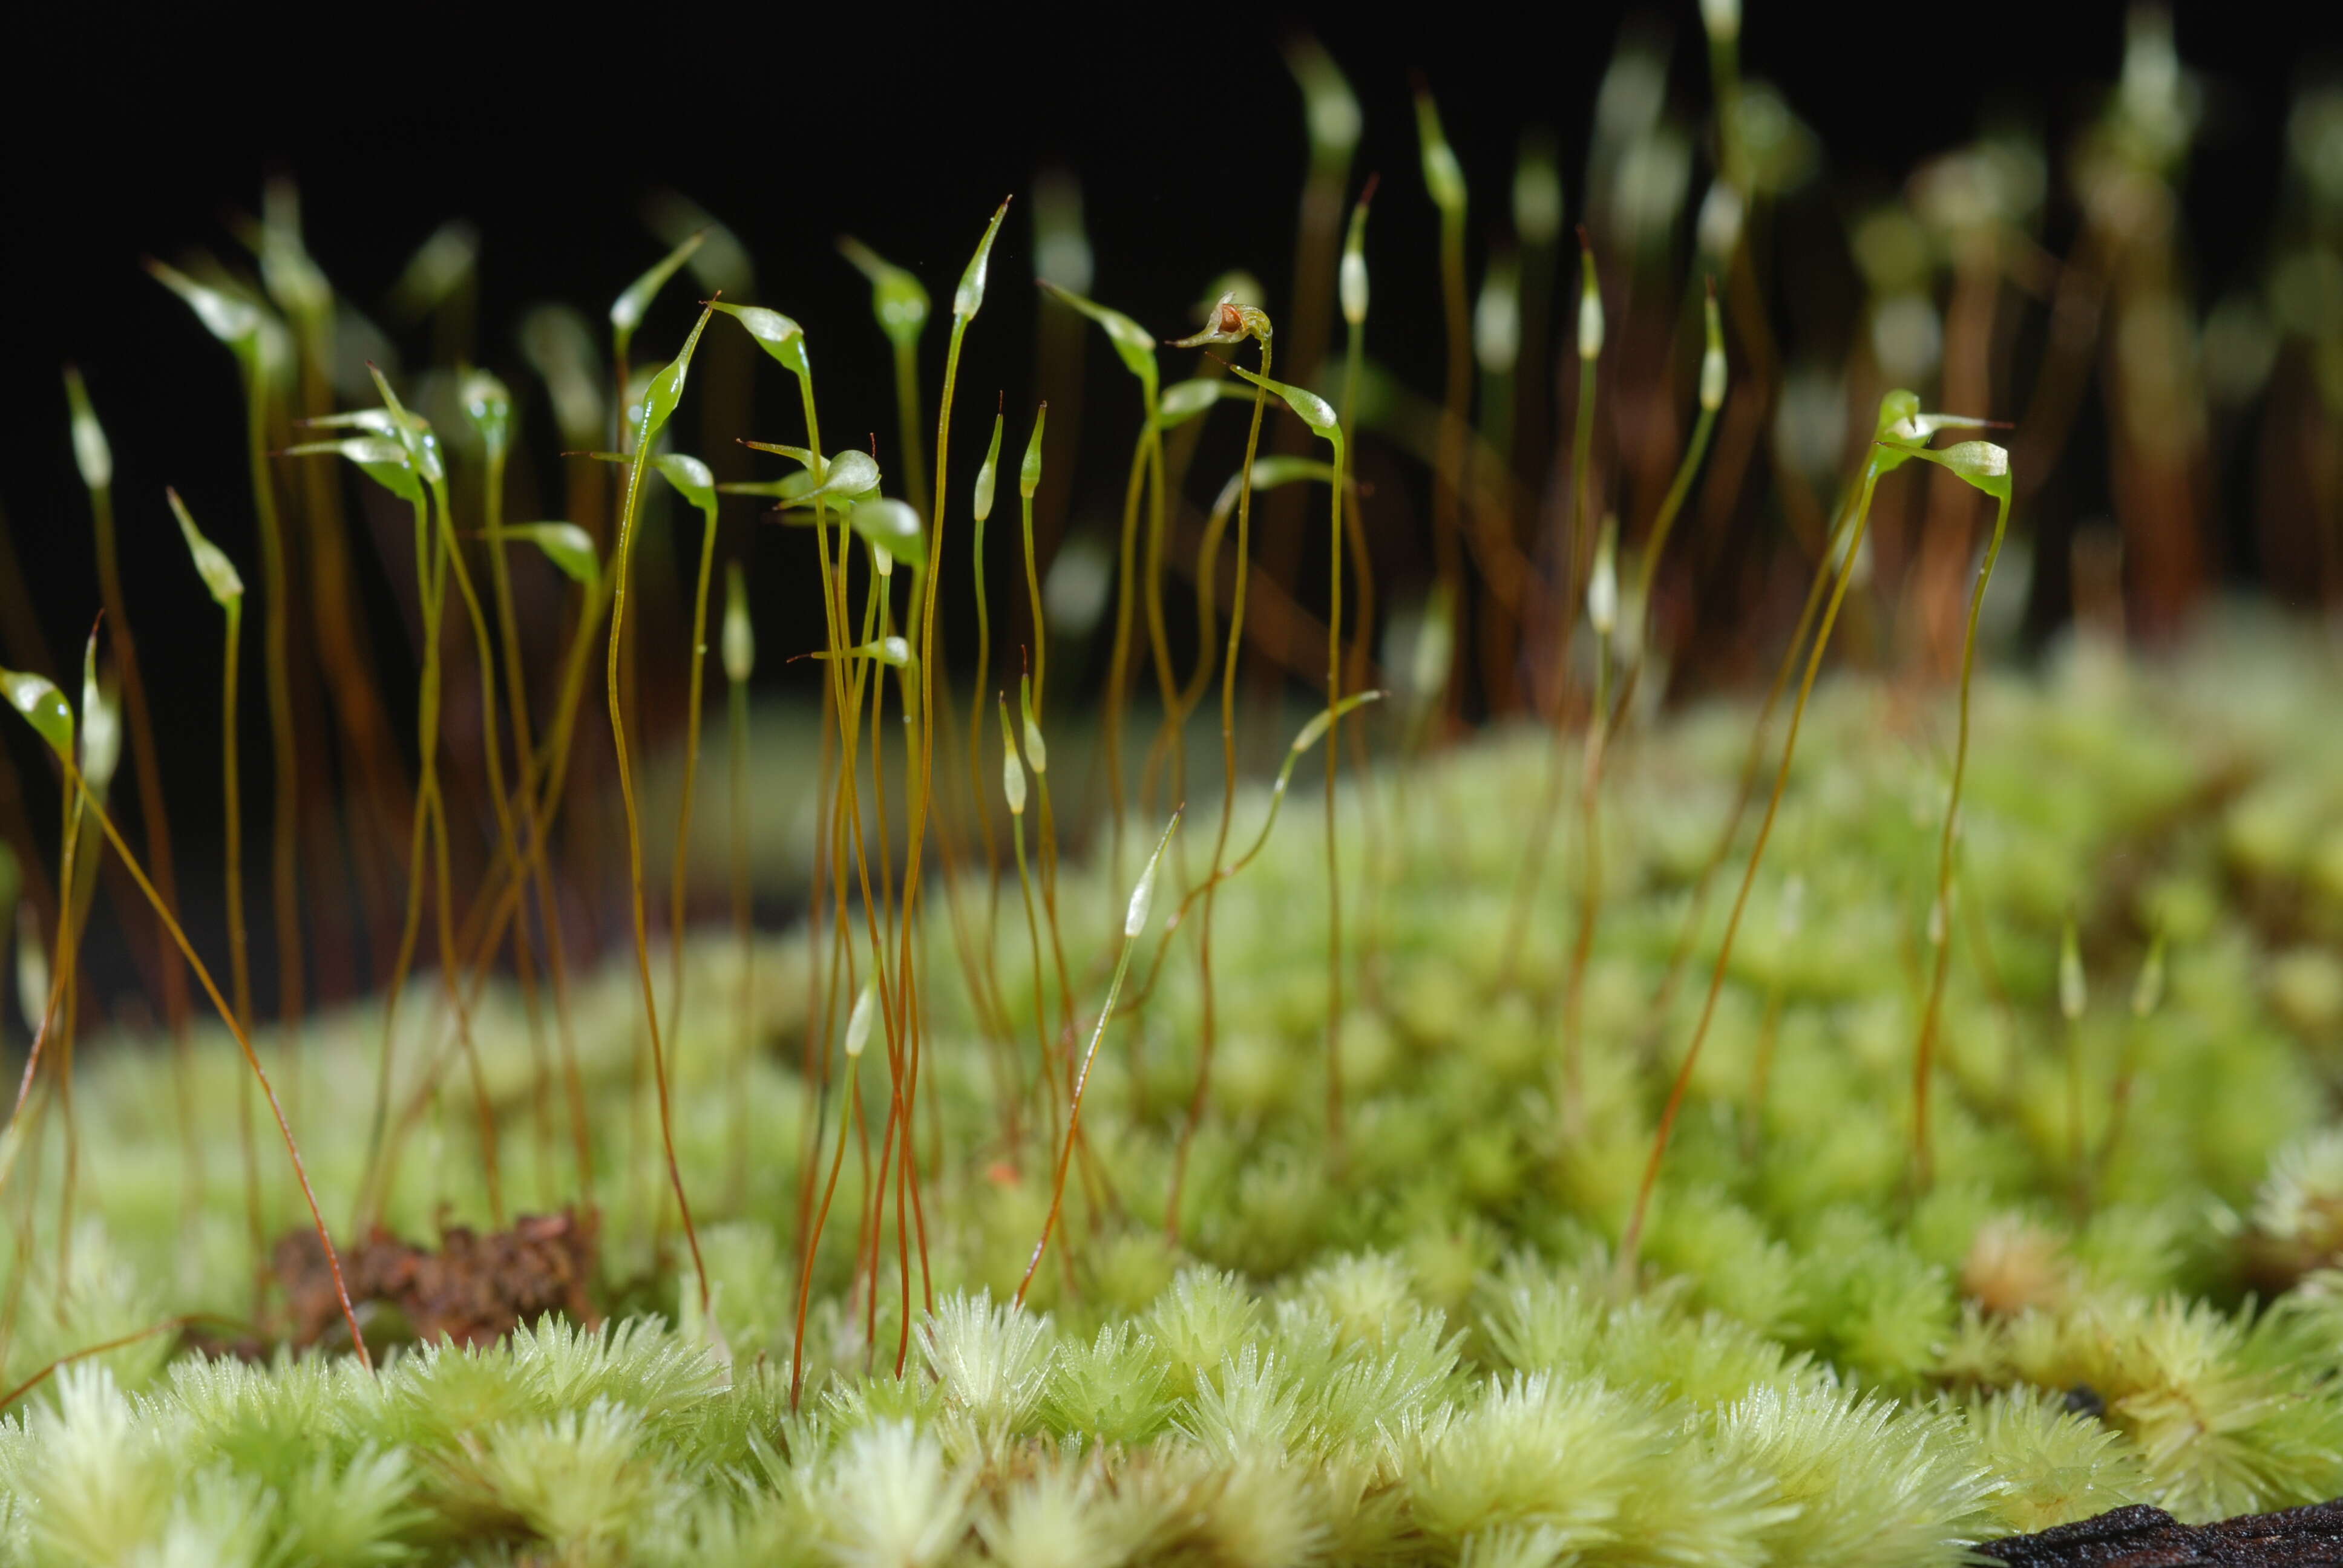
[(1423, 1353)]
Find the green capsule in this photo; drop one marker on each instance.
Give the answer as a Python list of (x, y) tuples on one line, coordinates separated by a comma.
[(221, 579), (987, 475), (1028, 472), (627, 311), (1443, 177), (898, 300), (2074, 995), (101, 722), (234, 322), (487, 404), (969, 297), (666, 389), (92, 456), (740, 636)]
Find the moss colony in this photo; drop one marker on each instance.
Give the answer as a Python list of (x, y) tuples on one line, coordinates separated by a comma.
[(1420, 1350)]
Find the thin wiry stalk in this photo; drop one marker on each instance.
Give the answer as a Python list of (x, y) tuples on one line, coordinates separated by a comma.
[(1629, 1242), (285, 789), (1208, 1023), (154, 814), (238, 951), (621, 566), (1940, 924), (244, 1043), (1133, 923)]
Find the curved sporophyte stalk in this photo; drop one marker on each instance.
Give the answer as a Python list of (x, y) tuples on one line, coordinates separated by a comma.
[(1318, 414), (1625, 627), (1135, 925), (489, 406), (627, 313), (1986, 467), (980, 511), (739, 649), (898, 300), (2146, 996), (1229, 323), (2074, 1001), (968, 298), (1582, 451), (657, 406), (847, 475), (95, 460), (225, 586), (1443, 178), (693, 481), (257, 341), (1136, 349), (1012, 791), (401, 452), (1029, 483), (41, 704), (386, 460), (1901, 433), (858, 1038)]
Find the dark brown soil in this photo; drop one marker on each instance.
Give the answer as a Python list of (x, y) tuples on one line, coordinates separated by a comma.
[(2145, 1537)]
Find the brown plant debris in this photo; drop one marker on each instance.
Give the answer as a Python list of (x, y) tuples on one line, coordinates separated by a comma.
[(473, 1291)]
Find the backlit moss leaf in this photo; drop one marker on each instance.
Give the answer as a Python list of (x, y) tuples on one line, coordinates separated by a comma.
[(1315, 410), (776, 333), (221, 579), (627, 310), (691, 476), (566, 545), (1981, 463), (1184, 400), (43, 705), (849, 474), (893, 526), (1133, 343), (379, 457), (898, 300)]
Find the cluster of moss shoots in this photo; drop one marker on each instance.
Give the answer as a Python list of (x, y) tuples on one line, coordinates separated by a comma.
[(1837, 1128)]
